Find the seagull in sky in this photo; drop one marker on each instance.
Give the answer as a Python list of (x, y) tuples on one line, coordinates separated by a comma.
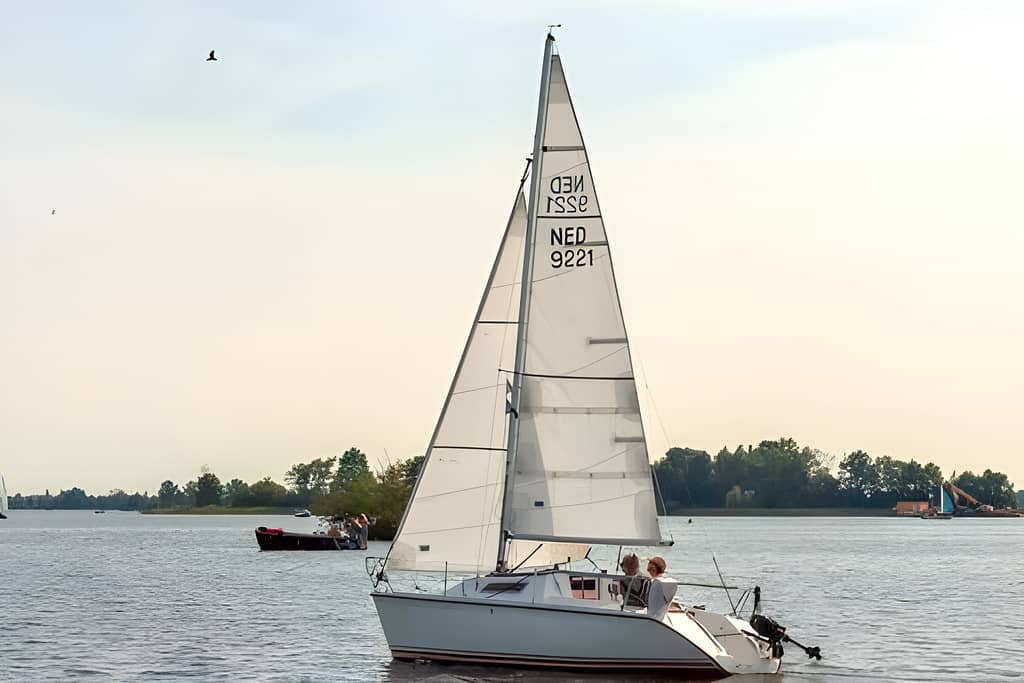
[(211, 58), (53, 212)]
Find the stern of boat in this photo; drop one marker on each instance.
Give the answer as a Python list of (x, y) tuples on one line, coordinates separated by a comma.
[(739, 649)]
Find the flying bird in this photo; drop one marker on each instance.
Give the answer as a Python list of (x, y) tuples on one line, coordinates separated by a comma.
[(53, 212), (211, 58)]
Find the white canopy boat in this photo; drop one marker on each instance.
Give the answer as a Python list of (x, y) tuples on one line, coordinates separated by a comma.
[(540, 453)]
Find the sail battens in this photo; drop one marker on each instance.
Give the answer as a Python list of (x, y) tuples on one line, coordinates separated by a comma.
[(470, 448), (497, 322), (628, 439), (628, 378), (598, 475), (564, 148), (590, 540), (607, 340), (584, 410)]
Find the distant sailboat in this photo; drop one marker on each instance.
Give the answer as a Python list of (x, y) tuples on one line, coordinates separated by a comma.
[(943, 505), (3, 498), (540, 453)]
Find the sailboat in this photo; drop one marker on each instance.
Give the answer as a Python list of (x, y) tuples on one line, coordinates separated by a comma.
[(3, 498), (943, 505), (540, 453)]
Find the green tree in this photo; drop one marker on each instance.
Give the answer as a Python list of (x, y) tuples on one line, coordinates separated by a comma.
[(267, 492), (684, 478), (208, 489), (730, 469), (780, 470), (352, 466), (992, 488), (235, 491), (382, 496), (312, 478), (858, 477), (168, 493)]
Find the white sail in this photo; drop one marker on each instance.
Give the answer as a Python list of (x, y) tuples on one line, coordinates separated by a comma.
[(581, 466), (3, 496), (453, 518)]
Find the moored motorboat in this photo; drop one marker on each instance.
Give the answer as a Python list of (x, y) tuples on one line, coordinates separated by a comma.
[(278, 539)]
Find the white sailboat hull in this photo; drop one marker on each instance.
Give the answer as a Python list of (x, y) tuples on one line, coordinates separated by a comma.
[(468, 630), (482, 631)]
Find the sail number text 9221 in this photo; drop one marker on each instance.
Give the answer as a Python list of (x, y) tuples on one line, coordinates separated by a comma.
[(567, 195), (575, 256)]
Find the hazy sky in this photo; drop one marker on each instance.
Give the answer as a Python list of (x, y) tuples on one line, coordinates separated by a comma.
[(816, 214)]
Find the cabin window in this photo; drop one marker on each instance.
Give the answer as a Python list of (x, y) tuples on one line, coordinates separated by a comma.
[(584, 588), (503, 587)]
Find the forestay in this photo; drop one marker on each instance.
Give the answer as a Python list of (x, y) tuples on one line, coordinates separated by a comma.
[(453, 518), (581, 467)]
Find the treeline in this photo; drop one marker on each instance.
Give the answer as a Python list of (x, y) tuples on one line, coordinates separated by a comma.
[(77, 499), (341, 486), (774, 474), (782, 474)]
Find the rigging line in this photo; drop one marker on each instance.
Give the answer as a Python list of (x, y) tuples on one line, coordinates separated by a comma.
[(527, 558), (708, 544), (507, 284), (595, 362), (454, 491), (439, 531), (569, 168), (589, 502), (469, 391)]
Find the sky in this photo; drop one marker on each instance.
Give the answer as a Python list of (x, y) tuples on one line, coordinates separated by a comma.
[(815, 211)]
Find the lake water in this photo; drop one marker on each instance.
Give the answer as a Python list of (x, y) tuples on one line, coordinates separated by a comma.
[(124, 596)]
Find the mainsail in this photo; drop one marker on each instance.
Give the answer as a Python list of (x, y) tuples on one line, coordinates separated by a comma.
[(3, 496), (581, 467)]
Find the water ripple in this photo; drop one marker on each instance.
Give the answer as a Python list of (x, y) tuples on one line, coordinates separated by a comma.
[(124, 596)]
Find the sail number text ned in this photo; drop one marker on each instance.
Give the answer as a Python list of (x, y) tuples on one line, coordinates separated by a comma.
[(566, 195), (574, 256)]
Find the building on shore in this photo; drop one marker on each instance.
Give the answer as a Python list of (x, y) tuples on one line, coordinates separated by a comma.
[(910, 508)]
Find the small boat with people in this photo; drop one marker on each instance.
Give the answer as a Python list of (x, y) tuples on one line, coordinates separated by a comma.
[(330, 534), (539, 454)]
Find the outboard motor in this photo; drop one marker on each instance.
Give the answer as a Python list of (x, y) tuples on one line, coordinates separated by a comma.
[(775, 632)]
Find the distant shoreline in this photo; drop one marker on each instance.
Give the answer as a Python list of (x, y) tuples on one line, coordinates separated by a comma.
[(220, 510), (783, 512)]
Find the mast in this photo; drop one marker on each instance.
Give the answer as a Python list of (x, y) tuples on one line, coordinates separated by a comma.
[(524, 300)]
